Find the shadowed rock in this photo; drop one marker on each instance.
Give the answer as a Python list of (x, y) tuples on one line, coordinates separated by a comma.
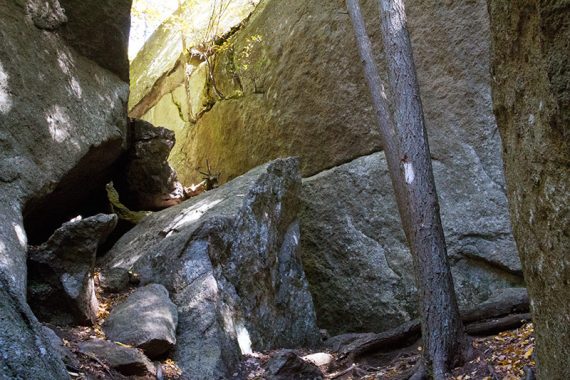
[(128, 361), (62, 124), (286, 365), (115, 280), (147, 181), (357, 259), (531, 98), (61, 287)]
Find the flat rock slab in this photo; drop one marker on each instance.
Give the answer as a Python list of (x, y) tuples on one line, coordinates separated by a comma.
[(230, 259), (147, 320), (126, 360)]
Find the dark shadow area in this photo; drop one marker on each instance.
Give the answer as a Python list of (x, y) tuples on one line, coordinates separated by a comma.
[(80, 192)]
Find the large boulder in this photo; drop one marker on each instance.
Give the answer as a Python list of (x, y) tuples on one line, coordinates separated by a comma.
[(356, 256), (179, 99), (294, 85), (145, 179), (531, 94), (230, 259), (291, 81), (147, 319), (62, 124), (61, 287)]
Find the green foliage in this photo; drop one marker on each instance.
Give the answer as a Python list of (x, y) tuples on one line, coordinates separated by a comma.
[(120, 209), (251, 60)]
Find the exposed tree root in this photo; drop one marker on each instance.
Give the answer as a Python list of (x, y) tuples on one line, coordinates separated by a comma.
[(419, 372), (496, 325), (488, 318)]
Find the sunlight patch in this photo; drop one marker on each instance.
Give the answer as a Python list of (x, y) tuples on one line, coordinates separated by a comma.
[(65, 62), (189, 216), (75, 87), (146, 16), (5, 101), (22, 238), (243, 338), (58, 123)]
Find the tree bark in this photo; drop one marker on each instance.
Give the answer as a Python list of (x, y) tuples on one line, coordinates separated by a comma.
[(407, 153)]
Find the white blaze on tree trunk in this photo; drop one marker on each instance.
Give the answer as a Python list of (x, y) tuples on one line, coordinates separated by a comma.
[(409, 172)]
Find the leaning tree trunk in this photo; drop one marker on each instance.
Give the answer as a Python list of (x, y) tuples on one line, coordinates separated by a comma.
[(407, 153)]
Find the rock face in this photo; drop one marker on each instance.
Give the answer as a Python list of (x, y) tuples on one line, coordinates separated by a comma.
[(25, 351), (99, 30), (61, 288), (68, 357), (293, 85), (127, 361), (230, 259), (353, 244), (288, 95), (177, 101), (532, 103), (48, 15), (62, 123), (146, 179), (146, 320)]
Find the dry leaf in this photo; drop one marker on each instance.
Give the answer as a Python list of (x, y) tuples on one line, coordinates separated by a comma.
[(528, 353)]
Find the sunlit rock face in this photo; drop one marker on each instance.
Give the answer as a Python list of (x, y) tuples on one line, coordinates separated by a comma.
[(62, 122), (531, 93), (293, 84), (160, 93), (230, 259)]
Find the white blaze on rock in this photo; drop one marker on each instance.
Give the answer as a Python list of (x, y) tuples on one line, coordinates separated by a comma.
[(409, 173)]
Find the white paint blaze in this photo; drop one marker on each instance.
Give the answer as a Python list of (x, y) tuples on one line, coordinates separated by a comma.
[(409, 173)]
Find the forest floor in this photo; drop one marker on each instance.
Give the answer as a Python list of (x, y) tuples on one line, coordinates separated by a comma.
[(508, 355), (505, 356)]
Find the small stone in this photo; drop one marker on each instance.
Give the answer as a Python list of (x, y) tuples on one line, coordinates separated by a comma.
[(320, 359), (147, 320), (287, 365)]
